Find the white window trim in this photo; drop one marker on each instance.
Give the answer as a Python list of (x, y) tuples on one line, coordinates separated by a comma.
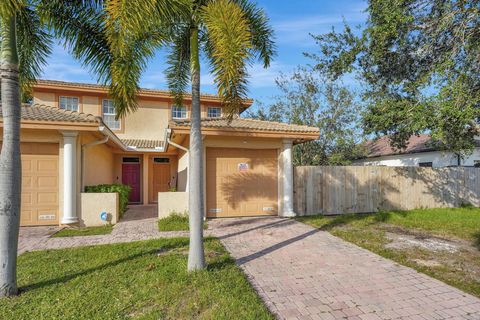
[(221, 112), (111, 114), (66, 97), (186, 112)]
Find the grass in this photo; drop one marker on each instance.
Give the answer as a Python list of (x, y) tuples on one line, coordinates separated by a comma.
[(87, 231), (176, 222), (460, 225), (138, 280)]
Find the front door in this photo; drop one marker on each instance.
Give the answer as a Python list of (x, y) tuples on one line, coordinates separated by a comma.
[(160, 177), (131, 177)]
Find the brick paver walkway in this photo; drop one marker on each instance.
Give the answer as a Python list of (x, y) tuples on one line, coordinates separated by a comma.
[(303, 273), (140, 223)]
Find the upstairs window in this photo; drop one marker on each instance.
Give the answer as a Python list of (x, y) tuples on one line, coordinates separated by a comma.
[(109, 114), (179, 112), (214, 112), (69, 103)]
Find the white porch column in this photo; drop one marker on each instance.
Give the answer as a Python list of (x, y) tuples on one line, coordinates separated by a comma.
[(69, 177), (287, 180)]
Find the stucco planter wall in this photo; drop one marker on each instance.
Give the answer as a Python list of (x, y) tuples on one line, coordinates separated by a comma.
[(169, 202), (93, 204)]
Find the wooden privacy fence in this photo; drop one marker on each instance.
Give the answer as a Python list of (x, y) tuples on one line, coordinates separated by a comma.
[(356, 189)]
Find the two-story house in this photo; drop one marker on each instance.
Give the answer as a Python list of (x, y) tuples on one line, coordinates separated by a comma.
[(70, 139)]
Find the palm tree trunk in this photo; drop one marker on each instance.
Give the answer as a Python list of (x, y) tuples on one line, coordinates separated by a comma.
[(196, 207), (10, 164)]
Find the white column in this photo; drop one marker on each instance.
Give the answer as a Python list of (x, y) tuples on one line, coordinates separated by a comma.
[(287, 180), (69, 177)]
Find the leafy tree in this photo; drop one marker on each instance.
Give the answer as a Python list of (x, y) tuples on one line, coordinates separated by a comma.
[(418, 60), (307, 98), (230, 34)]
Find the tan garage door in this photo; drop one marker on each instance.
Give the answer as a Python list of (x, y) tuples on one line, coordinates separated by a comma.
[(39, 184), (241, 182)]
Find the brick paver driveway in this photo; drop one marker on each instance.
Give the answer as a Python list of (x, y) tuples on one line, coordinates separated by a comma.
[(303, 273)]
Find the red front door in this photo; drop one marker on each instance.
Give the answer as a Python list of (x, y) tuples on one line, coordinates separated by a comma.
[(131, 177)]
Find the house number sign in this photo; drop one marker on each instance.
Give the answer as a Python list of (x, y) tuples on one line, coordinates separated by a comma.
[(242, 167)]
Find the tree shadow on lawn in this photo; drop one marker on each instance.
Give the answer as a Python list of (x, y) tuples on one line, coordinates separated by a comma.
[(69, 277)]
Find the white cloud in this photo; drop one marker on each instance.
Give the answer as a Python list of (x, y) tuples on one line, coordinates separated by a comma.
[(296, 30)]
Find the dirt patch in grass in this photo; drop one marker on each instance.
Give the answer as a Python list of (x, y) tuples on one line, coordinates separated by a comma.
[(435, 248)]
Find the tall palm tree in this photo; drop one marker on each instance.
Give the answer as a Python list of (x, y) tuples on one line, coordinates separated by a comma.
[(27, 28), (231, 34)]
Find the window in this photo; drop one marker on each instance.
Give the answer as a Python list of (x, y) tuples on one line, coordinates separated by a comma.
[(214, 112), (426, 164), (108, 110), (476, 163), (69, 103), (131, 160), (179, 112), (161, 160)]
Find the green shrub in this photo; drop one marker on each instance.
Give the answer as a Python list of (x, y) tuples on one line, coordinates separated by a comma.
[(122, 190)]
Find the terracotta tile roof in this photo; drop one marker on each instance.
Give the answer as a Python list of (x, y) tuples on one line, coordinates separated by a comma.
[(46, 113), (143, 144), (381, 146), (142, 90), (249, 124)]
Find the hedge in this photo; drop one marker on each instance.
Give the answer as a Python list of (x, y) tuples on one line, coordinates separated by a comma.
[(122, 190)]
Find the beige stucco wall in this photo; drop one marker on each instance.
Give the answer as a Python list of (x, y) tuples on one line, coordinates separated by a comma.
[(46, 98), (91, 105), (98, 163), (182, 174), (147, 122), (93, 204), (169, 202)]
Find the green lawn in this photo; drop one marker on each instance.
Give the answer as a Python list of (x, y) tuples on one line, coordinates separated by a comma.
[(87, 231), (176, 222), (139, 280), (374, 232)]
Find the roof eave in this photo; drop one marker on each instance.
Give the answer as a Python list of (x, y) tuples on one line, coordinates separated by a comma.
[(184, 129)]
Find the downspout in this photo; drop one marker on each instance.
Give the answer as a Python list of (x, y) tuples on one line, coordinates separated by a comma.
[(82, 158), (168, 132), (176, 145)]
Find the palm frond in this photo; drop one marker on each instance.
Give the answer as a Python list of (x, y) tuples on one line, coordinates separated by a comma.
[(80, 26), (35, 43), (134, 30), (178, 60), (263, 39), (230, 41), (9, 7), (128, 66)]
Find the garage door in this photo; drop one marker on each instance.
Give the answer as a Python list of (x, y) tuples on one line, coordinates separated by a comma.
[(39, 184), (241, 182)]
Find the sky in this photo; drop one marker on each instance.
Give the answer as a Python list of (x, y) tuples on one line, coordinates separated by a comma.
[(292, 22)]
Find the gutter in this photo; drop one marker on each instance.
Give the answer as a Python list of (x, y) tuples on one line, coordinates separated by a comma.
[(168, 132)]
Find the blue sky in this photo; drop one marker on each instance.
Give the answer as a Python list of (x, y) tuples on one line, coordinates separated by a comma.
[(292, 22)]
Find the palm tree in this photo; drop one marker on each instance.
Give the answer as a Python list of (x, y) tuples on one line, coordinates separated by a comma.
[(27, 28), (231, 34)]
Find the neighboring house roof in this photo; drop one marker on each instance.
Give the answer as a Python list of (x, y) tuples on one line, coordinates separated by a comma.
[(249, 124), (381, 147), (163, 93), (143, 144), (38, 112)]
